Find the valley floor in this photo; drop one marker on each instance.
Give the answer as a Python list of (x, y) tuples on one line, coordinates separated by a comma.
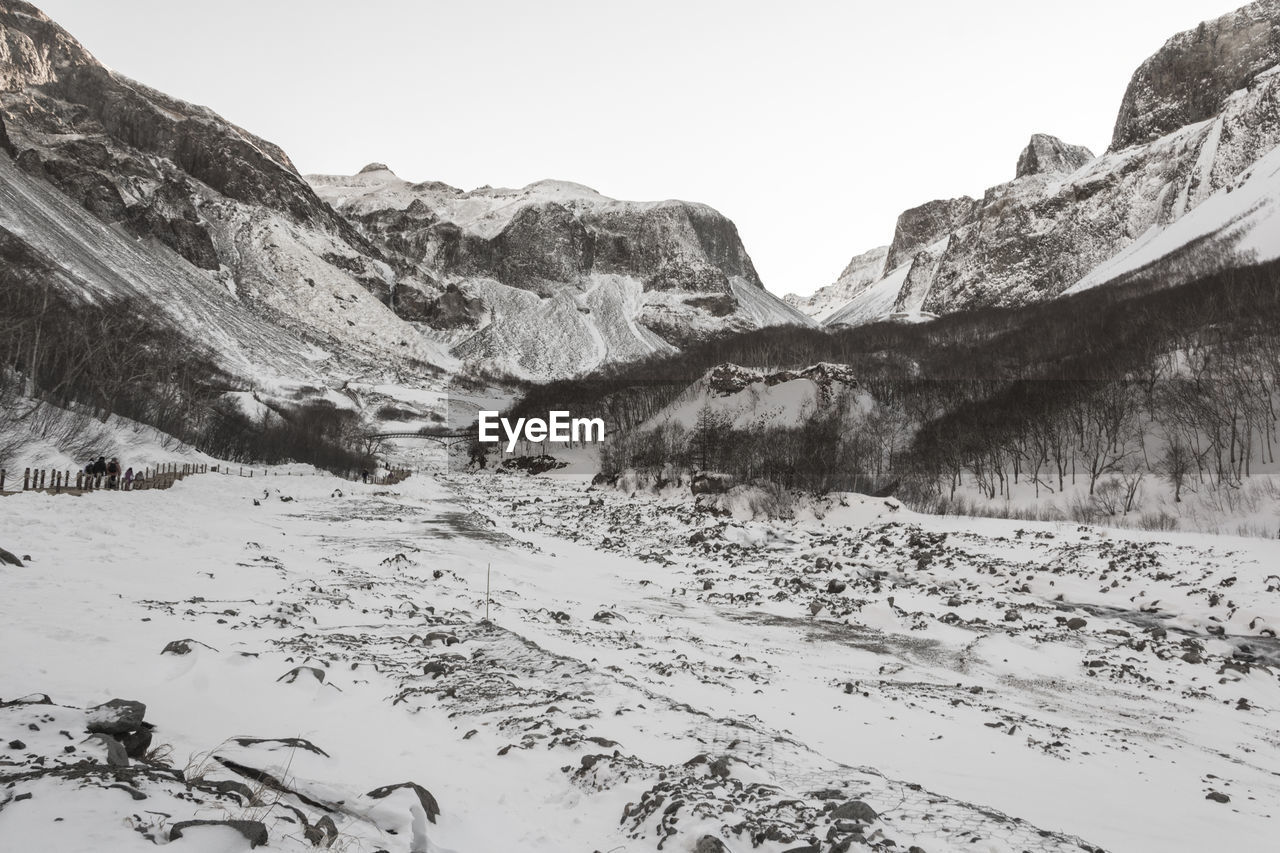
[(652, 674)]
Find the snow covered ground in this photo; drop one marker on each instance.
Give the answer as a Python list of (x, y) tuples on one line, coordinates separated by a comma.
[(654, 673)]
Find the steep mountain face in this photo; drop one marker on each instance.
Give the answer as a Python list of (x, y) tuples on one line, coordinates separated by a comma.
[(1193, 76), (1197, 118), (921, 227), (555, 278), (220, 223), (214, 227)]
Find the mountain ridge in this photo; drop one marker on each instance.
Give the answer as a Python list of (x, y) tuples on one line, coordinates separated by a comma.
[(1067, 216)]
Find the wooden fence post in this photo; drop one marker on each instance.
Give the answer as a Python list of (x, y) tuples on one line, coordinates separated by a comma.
[(2, 473)]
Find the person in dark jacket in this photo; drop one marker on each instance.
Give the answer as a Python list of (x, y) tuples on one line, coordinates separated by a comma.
[(113, 473)]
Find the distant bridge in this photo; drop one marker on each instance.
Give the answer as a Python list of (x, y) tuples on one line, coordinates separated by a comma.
[(448, 439)]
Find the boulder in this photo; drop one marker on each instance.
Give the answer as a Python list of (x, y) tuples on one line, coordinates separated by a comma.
[(117, 717), (855, 810), (253, 831), (138, 742)]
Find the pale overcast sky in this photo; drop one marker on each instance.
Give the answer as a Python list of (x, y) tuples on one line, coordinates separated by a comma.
[(810, 123)]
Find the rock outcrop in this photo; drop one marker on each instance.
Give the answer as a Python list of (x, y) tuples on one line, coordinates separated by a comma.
[(1049, 155), (922, 226)]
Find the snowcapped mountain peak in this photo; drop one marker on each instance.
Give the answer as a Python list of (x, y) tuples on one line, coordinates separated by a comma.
[(376, 167)]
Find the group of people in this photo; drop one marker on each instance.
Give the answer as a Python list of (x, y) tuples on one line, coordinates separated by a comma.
[(113, 477)]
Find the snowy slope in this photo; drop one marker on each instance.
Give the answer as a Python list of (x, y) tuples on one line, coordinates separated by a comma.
[(571, 332), (1238, 225), (873, 303), (861, 272), (99, 261), (748, 399)]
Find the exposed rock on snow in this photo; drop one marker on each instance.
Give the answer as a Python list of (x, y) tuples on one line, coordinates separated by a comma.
[(117, 717), (253, 831), (712, 684)]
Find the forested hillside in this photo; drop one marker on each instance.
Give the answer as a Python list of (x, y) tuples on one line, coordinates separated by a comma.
[(1111, 385)]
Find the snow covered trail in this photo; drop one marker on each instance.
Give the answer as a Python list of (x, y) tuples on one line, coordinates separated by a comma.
[(652, 674)]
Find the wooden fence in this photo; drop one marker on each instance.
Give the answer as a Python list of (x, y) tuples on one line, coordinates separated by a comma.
[(77, 482), (160, 477)]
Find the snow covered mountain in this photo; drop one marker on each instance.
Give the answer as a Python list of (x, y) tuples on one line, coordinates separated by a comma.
[(117, 190), (113, 189), (863, 271), (747, 399), (555, 279), (1196, 126)]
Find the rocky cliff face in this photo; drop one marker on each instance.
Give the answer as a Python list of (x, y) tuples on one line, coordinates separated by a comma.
[(555, 272), (921, 227), (1190, 79), (1205, 110)]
